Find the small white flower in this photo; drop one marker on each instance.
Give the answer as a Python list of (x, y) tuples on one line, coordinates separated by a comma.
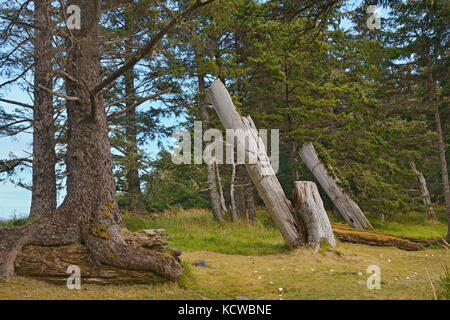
[(280, 289), (389, 260), (255, 271), (312, 269), (360, 273), (270, 282), (331, 270), (259, 278), (407, 278)]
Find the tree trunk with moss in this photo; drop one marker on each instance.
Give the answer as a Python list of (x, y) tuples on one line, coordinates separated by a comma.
[(348, 208), (89, 214)]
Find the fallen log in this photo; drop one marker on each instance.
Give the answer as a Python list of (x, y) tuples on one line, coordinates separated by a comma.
[(50, 264), (260, 170), (378, 238), (309, 205), (348, 208)]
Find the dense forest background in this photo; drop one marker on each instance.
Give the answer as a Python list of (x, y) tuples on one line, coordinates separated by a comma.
[(368, 98)]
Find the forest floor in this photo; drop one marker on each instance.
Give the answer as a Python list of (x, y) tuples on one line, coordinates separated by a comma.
[(253, 261)]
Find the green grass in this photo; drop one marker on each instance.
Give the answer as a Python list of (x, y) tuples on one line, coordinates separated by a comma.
[(15, 222), (443, 284), (195, 230), (414, 225), (253, 261)]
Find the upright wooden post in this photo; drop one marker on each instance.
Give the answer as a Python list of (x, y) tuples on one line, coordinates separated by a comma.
[(423, 190), (309, 205), (261, 172), (348, 208)]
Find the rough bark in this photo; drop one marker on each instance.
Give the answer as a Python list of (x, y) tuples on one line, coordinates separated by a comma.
[(50, 263), (348, 208), (132, 167), (423, 190), (89, 213), (43, 198), (214, 195), (441, 146), (261, 172), (309, 205)]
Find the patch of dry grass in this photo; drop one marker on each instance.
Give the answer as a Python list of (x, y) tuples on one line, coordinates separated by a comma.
[(301, 273), (234, 252)]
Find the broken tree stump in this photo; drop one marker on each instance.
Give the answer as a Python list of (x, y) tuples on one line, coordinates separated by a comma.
[(261, 171), (309, 205), (348, 208), (50, 264), (423, 190)]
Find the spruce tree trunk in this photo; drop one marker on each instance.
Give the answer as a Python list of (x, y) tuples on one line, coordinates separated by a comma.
[(43, 199), (441, 146), (133, 180), (89, 213)]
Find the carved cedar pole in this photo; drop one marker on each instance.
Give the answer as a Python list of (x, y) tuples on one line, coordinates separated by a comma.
[(309, 206), (261, 172), (423, 190), (348, 208)]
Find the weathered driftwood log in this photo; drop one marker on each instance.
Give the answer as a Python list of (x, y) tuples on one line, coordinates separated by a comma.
[(348, 208), (381, 239), (51, 263), (423, 190), (309, 205), (260, 171)]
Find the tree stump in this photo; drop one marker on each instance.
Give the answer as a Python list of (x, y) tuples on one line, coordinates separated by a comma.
[(348, 208), (309, 206)]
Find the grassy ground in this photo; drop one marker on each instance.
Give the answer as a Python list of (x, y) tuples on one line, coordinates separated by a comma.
[(254, 262)]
